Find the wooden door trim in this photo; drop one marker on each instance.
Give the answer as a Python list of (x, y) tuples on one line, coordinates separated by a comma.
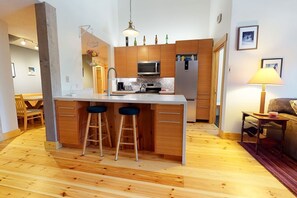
[(217, 47)]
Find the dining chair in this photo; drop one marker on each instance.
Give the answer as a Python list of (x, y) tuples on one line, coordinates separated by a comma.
[(27, 114)]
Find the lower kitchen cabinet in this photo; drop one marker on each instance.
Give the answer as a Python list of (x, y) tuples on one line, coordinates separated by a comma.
[(71, 122), (168, 129)]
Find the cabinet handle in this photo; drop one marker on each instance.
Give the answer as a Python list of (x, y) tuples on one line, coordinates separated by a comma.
[(67, 115), (164, 121), (66, 108), (172, 113)]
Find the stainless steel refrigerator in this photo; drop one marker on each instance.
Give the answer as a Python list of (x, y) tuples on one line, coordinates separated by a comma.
[(186, 77)]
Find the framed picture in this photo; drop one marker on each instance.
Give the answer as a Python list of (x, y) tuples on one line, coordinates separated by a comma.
[(276, 63), (247, 37), (32, 71), (13, 70)]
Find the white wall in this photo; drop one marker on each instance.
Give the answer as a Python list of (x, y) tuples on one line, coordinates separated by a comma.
[(8, 118), (22, 59), (277, 32), (217, 30), (181, 20), (101, 15)]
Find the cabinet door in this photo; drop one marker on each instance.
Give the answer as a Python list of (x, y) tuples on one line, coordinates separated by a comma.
[(187, 47), (142, 53), (71, 122), (154, 53), (204, 79), (168, 129), (120, 61), (131, 66), (168, 60)]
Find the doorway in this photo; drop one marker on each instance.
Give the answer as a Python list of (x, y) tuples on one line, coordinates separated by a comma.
[(95, 61), (219, 52)]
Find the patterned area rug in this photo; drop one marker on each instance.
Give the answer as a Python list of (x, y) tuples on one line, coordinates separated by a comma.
[(283, 168)]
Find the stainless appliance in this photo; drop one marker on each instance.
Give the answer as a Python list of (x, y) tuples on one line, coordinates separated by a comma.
[(186, 76), (152, 88), (148, 68), (120, 86)]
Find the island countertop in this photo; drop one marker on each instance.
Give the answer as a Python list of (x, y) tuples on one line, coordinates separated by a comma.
[(141, 99), (128, 98)]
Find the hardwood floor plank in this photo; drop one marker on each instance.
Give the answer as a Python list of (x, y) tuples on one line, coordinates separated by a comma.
[(215, 168)]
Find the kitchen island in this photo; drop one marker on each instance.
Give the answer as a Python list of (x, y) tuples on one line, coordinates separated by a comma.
[(161, 122)]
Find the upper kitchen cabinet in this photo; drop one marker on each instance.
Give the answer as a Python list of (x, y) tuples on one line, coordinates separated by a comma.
[(168, 60), (131, 62), (120, 62), (126, 61), (154, 52), (149, 53), (187, 47)]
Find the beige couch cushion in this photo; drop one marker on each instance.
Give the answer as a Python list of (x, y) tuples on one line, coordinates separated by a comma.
[(294, 105)]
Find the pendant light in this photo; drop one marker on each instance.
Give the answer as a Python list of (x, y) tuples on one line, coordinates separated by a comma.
[(130, 31)]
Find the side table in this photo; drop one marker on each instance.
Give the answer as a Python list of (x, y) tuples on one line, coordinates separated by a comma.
[(261, 122)]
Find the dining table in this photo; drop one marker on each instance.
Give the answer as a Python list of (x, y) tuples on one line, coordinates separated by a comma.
[(33, 101)]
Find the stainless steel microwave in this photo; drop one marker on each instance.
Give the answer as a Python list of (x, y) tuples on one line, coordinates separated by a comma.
[(148, 68)]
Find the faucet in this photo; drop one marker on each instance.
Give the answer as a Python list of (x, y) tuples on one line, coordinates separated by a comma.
[(115, 72)]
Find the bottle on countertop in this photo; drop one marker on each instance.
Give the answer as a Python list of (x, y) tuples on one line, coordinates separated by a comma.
[(135, 42), (156, 40), (127, 41), (166, 38), (143, 40)]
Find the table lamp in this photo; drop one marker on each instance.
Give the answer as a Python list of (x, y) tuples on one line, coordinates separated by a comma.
[(265, 76)]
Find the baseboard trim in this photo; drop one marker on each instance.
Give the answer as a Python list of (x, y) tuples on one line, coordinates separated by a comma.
[(49, 145), (10, 134), (229, 135)]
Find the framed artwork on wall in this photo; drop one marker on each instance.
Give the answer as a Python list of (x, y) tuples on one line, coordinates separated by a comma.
[(32, 71), (13, 70), (276, 63), (247, 37)]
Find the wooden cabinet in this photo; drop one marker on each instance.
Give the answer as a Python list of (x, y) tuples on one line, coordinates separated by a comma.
[(187, 47), (168, 129), (168, 60), (131, 62), (71, 122), (154, 53), (126, 61), (120, 56), (142, 53), (149, 53), (204, 79)]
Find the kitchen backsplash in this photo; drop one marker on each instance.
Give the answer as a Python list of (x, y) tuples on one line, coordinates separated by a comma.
[(135, 83)]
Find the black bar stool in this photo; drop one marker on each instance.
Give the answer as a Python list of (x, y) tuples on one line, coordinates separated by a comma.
[(98, 110), (128, 111)]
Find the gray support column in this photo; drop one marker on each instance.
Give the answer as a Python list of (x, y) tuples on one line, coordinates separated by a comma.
[(49, 64)]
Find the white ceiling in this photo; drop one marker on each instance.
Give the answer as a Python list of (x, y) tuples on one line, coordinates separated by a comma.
[(21, 20)]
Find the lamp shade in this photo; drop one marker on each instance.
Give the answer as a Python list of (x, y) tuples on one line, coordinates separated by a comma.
[(130, 31), (266, 76)]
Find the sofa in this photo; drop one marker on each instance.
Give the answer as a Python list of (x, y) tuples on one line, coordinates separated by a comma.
[(286, 107)]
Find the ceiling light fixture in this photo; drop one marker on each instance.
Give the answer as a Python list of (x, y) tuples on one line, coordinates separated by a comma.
[(23, 42), (36, 47), (130, 31)]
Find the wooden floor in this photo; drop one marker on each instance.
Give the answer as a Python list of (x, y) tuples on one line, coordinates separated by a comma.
[(215, 168)]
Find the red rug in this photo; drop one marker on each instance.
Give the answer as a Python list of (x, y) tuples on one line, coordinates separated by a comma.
[(283, 168)]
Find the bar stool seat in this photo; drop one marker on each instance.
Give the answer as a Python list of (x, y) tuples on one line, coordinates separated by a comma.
[(96, 110), (128, 111)]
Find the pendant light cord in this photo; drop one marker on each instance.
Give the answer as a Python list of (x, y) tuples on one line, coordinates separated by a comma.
[(130, 10)]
